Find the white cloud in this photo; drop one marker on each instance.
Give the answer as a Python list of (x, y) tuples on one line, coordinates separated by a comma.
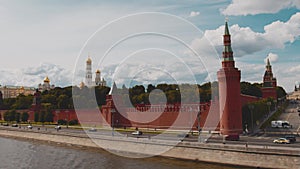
[(293, 69), (251, 72), (194, 13), (253, 7), (287, 74), (246, 41), (272, 58), (32, 76)]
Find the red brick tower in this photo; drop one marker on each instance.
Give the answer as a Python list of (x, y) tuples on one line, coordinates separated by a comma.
[(269, 84), (229, 91)]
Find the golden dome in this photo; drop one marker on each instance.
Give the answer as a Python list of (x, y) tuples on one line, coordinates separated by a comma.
[(89, 60), (47, 80), (98, 71), (81, 85)]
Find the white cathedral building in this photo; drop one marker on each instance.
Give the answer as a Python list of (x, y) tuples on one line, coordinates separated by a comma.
[(89, 77), (46, 85)]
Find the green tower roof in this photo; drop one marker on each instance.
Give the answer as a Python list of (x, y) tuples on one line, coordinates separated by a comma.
[(226, 29)]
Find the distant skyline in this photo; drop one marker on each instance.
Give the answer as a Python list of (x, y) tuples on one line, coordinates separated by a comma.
[(44, 38)]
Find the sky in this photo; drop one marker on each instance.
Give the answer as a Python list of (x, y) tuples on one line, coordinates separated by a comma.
[(139, 42)]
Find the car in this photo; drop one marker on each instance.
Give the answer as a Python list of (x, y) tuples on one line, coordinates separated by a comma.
[(14, 125), (29, 127), (184, 135), (137, 132), (5, 124), (92, 129), (282, 141), (292, 138), (57, 127), (233, 137)]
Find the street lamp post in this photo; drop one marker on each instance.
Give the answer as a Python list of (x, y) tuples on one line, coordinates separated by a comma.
[(198, 126), (275, 102), (67, 118), (113, 110), (269, 105), (57, 116), (251, 107)]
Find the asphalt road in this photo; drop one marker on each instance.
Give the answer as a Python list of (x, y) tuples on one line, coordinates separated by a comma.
[(212, 139)]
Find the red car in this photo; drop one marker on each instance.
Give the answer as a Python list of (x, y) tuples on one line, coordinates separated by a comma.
[(234, 137)]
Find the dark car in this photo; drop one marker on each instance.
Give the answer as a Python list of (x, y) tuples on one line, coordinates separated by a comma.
[(184, 135), (292, 138), (234, 137), (14, 125)]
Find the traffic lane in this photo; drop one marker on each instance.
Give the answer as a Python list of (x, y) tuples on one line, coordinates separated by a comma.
[(264, 141), (192, 138)]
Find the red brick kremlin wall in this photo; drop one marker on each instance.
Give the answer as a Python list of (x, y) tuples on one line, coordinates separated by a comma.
[(164, 118)]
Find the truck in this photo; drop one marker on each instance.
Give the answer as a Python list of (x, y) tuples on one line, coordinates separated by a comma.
[(280, 124)]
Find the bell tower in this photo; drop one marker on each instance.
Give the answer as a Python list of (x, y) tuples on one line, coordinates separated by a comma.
[(229, 90), (88, 73)]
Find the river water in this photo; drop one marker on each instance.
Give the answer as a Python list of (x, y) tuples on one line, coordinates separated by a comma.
[(22, 154)]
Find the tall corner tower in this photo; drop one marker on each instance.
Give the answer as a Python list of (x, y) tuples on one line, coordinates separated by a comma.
[(229, 91), (88, 74), (269, 83)]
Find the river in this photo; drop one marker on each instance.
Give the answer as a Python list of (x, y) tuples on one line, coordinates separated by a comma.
[(24, 154)]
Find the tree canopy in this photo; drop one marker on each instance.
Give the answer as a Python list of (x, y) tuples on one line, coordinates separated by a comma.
[(64, 98)]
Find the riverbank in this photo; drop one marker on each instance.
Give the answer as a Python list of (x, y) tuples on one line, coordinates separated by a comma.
[(222, 154)]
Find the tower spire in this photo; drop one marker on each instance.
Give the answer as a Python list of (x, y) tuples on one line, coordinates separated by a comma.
[(268, 66), (228, 60), (226, 27)]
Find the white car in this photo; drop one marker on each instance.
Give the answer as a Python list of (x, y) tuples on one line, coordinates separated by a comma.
[(29, 127), (92, 129), (137, 132)]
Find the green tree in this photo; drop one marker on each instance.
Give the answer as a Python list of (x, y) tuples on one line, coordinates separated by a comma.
[(100, 93), (50, 98), (6, 116), (150, 88), (62, 122), (42, 116), (63, 102), (36, 116), (24, 117), (280, 92), (12, 115), (73, 122), (250, 89), (1, 99), (23, 102), (48, 116), (17, 117)]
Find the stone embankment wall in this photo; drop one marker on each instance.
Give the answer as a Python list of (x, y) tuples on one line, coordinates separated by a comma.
[(224, 154)]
